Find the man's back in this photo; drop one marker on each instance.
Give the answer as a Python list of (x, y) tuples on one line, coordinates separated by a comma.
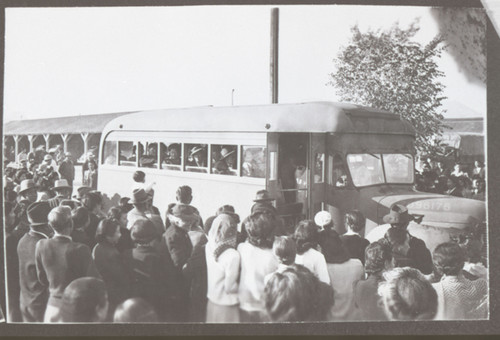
[(59, 261)]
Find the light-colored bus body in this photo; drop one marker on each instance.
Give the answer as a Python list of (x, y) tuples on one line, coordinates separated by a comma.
[(370, 150)]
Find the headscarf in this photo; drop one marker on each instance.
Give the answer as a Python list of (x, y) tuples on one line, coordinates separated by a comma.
[(222, 235)]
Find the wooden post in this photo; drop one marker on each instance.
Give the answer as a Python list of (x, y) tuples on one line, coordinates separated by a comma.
[(16, 147), (274, 54)]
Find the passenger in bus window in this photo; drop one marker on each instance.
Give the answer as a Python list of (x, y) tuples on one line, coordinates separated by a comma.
[(226, 161), (197, 158)]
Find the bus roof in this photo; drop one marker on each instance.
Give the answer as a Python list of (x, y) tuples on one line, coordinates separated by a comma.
[(303, 117)]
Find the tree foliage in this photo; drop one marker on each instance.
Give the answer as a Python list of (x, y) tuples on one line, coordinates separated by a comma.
[(389, 71)]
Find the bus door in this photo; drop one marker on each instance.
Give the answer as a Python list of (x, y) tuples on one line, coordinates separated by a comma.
[(317, 166)]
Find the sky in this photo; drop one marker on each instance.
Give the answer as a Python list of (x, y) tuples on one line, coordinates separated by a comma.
[(72, 61)]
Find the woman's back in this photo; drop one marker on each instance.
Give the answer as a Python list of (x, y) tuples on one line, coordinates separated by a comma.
[(343, 276)]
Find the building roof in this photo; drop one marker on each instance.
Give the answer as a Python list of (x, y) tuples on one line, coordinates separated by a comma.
[(303, 117), (464, 125), (60, 125)]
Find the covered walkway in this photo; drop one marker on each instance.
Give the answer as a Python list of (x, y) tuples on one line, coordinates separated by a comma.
[(76, 134)]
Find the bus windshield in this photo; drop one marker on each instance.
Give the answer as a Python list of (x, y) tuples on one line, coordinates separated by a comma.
[(367, 169)]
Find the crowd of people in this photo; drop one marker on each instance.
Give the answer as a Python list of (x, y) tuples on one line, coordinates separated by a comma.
[(68, 260), (432, 176)]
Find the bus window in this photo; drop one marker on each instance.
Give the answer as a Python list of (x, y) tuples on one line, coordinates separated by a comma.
[(109, 156), (319, 165), (170, 156), (127, 151), (366, 169), (398, 168), (224, 159), (338, 175), (196, 157), (148, 155), (253, 161)]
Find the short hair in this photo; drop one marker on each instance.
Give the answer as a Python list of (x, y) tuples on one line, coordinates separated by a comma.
[(408, 295), (184, 194), (81, 299), (448, 258), (106, 228), (306, 236), (260, 228), (139, 176), (80, 216), (355, 220), (296, 294), (376, 256), (285, 249), (60, 218), (135, 310)]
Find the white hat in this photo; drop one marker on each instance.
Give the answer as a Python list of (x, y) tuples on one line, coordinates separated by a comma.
[(322, 218)]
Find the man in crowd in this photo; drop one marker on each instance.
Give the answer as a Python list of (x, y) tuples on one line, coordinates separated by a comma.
[(59, 260), (34, 295)]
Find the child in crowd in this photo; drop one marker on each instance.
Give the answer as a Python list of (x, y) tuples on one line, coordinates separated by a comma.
[(257, 260), (306, 236)]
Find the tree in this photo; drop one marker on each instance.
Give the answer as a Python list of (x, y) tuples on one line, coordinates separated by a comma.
[(388, 71)]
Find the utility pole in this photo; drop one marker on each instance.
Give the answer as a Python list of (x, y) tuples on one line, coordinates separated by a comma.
[(274, 54)]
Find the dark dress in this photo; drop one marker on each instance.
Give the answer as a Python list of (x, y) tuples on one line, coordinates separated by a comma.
[(34, 295), (356, 246), (111, 266)]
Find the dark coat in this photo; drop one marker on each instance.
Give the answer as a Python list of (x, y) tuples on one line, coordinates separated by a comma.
[(179, 245), (111, 266), (59, 261), (356, 246), (152, 278), (34, 295)]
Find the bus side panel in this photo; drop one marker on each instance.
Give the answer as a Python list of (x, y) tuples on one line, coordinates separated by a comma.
[(209, 192)]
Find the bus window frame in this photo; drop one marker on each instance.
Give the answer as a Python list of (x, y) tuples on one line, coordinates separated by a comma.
[(383, 170)]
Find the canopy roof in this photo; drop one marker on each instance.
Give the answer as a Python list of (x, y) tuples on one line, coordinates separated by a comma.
[(60, 125)]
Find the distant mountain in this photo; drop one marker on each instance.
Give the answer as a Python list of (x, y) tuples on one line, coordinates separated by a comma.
[(455, 109)]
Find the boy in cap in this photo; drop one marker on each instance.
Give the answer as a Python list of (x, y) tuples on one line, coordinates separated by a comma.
[(59, 260), (34, 295)]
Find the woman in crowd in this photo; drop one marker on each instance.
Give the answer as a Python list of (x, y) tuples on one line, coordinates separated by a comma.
[(378, 259), (344, 272), (109, 262), (458, 297), (407, 295), (257, 260), (85, 300), (223, 268), (297, 295), (306, 236)]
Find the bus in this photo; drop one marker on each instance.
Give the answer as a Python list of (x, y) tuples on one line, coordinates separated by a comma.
[(310, 157)]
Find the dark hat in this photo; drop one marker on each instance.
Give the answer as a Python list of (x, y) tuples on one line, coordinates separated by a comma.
[(398, 214), (263, 195), (143, 231), (139, 196), (25, 185), (37, 212), (61, 184)]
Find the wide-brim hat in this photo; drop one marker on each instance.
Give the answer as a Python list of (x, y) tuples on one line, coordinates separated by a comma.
[(139, 196), (143, 231), (38, 212), (26, 185), (398, 214), (226, 154), (61, 184), (195, 150), (262, 196)]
